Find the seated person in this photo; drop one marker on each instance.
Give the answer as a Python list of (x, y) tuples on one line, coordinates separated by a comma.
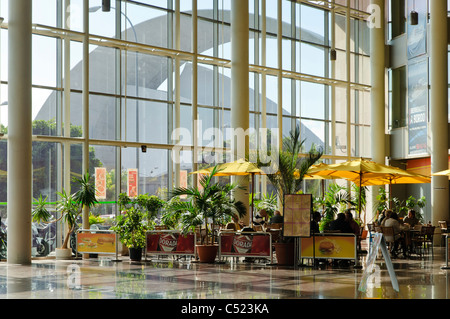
[(411, 219), (259, 218), (341, 224), (238, 224), (387, 214), (353, 224), (231, 226), (277, 218)]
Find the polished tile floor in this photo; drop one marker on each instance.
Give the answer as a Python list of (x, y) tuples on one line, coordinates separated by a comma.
[(106, 278)]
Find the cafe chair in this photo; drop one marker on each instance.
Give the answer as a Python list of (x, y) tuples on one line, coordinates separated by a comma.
[(423, 241), (258, 228), (388, 233), (275, 226), (443, 225), (371, 230), (428, 239)]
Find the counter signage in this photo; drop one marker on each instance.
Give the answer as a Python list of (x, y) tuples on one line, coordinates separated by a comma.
[(245, 244), (96, 243), (170, 243), (329, 246)]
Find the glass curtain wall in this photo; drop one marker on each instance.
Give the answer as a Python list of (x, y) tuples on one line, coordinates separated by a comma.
[(136, 55)]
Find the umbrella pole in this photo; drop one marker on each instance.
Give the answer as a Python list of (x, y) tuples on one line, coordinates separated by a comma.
[(360, 195), (253, 194)]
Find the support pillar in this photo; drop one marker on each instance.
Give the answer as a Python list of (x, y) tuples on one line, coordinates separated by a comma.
[(19, 133), (378, 83), (239, 91), (439, 109)]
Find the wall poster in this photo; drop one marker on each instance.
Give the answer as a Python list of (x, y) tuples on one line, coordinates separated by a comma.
[(100, 182), (297, 215), (132, 182)]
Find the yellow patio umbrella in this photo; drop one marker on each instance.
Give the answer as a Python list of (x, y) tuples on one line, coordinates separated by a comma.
[(368, 173), (442, 173), (240, 167)]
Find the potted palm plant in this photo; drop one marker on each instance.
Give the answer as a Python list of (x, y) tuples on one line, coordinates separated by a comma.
[(70, 207), (292, 167), (205, 207)]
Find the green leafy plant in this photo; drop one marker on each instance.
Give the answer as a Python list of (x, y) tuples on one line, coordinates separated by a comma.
[(70, 206), (292, 164), (148, 205), (334, 201), (267, 202), (131, 228), (401, 207), (95, 220), (40, 211), (213, 202)]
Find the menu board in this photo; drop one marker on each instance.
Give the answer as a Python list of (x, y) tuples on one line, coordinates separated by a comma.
[(297, 215)]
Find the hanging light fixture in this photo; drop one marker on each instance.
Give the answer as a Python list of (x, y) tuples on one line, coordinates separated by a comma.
[(414, 15), (333, 55), (106, 5), (414, 18)]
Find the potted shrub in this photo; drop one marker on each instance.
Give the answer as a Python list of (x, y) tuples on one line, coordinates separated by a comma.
[(132, 231), (149, 205), (70, 206), (138, 216), (292, 167), (211, 203)]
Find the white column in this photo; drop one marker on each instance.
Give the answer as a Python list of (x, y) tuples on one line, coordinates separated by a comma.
[(377, 81), (19, 132), (240, 86), (439, 109), (263, 84), (85, 101), (280, 75), (194, 91), (177, 92)]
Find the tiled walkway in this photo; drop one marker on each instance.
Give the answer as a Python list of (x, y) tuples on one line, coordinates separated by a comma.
[(105, 278)]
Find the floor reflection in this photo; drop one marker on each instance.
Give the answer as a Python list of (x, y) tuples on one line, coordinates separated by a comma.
[(105, 278)]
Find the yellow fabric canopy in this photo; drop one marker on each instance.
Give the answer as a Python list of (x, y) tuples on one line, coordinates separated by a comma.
[(240, 167), (442, 173), (367, 173)]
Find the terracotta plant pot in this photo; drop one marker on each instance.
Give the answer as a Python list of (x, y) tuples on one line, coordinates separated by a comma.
[(284, 253), (207, 253)]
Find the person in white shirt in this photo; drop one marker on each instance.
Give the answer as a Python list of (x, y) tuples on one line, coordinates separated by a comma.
[(393, 222)]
